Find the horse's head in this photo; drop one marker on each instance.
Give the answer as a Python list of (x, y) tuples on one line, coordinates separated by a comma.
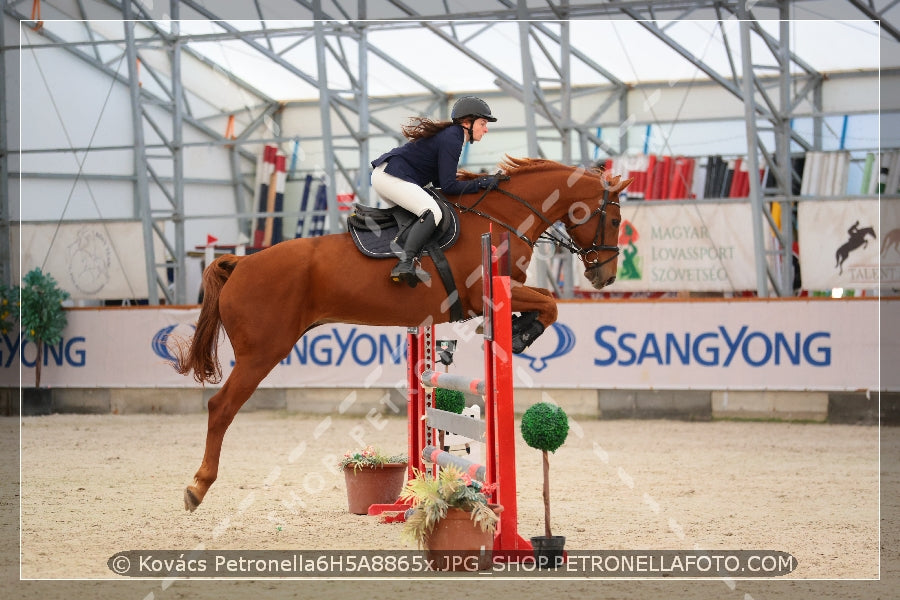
[(585, 201), (593, 225)]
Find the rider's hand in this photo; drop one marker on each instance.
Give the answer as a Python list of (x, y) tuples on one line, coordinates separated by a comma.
[(488, 182)]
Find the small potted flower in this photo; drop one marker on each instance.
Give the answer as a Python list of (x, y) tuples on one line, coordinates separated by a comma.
[(452, 519), (545, 427), (372, 477)]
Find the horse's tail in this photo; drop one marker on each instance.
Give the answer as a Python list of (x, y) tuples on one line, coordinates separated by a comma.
[(203, 357)]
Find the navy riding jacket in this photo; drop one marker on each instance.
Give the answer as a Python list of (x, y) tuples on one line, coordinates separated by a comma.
[(433, 160)]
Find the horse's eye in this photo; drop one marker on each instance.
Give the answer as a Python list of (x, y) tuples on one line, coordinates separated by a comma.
[(616, 223)]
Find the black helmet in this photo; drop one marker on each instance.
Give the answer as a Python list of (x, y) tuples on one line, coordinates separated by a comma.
[(470, 106)]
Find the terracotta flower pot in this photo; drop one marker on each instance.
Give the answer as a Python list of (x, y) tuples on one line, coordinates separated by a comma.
[(457, 543), (373, 485)]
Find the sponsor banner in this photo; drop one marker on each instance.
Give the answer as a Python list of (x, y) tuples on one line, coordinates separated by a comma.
[(889, 244), (89, 260), (809, 344), (839, 243), (697, 247)]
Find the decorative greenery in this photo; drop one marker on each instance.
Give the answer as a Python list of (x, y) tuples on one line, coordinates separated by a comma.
[(43, 317), (9, 308), (369, 456), (545, 426), (431, 498), (450, 400)]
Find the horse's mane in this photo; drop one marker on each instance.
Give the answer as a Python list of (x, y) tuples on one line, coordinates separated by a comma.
[(511, 165), (517, 166)]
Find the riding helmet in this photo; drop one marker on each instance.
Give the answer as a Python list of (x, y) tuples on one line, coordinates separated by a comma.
[(471, 106)]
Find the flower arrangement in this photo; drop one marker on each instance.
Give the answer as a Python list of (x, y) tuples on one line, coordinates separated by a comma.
[(370, 456), (431, 498), (9, 308)]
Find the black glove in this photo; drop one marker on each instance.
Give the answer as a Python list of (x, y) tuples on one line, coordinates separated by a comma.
[(490, 182)]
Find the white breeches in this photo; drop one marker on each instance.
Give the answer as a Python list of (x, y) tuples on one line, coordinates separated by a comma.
[(410, 196)]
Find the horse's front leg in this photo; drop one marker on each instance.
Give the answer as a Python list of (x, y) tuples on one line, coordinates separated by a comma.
[(537, 308)]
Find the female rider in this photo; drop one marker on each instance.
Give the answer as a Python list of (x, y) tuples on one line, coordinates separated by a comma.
[(430, 156)]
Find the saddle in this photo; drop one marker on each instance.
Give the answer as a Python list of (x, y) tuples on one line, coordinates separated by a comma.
[(381, 233)]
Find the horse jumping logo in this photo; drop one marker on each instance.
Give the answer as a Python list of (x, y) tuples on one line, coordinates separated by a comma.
[(858, 237), (891, 242)]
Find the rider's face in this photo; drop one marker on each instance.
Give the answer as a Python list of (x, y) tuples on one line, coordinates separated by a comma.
[(479, 128)]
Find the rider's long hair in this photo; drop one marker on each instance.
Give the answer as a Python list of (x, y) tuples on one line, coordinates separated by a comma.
[(421, 128)]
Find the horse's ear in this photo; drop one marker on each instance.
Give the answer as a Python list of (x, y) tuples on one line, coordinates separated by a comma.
[(624, 184), (609, 180)]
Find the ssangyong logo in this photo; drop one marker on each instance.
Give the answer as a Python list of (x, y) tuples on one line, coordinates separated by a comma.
[(565, 341)]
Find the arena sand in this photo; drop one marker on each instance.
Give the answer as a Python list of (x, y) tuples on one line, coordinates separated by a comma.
[(94, 485)]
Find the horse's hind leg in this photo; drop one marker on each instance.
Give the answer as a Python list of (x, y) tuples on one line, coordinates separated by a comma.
[(223, 407)]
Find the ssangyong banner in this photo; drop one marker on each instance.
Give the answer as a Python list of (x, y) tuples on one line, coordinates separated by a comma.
[(814, 344)]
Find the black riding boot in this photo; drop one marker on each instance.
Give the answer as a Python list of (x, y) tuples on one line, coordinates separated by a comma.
[(419, 234)]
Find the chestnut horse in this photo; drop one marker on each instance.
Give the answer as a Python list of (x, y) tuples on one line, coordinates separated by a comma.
[(268, 300)]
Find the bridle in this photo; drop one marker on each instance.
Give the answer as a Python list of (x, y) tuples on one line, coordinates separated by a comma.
[(597, 246)]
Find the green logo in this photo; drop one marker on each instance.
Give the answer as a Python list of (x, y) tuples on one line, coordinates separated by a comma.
[(630, 267)]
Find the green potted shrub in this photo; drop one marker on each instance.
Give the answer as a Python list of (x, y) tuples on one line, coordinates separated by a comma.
[(452, 519), (372, 477), (43, 317), (451, 401), (545, 427)]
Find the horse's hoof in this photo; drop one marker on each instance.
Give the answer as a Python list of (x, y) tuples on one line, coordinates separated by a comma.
[(190, 500), (523, 339)]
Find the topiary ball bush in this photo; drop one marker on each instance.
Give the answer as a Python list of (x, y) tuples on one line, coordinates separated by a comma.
[(545, 426), (449, 400)]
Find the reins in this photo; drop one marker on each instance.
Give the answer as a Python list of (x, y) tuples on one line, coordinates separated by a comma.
[(569, 244)]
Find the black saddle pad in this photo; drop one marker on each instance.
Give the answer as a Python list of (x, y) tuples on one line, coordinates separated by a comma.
[(381, 232)]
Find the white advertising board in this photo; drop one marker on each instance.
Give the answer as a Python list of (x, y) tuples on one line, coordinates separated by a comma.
[(841, 240), (808, 344), (697, 247), (89, 260)]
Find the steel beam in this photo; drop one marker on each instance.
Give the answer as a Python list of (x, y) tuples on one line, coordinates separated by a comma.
[(180, 254), (141, 184), (5, 200), (325, 116)]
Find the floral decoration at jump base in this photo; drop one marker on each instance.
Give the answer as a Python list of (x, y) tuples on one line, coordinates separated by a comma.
[(452, 519)]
